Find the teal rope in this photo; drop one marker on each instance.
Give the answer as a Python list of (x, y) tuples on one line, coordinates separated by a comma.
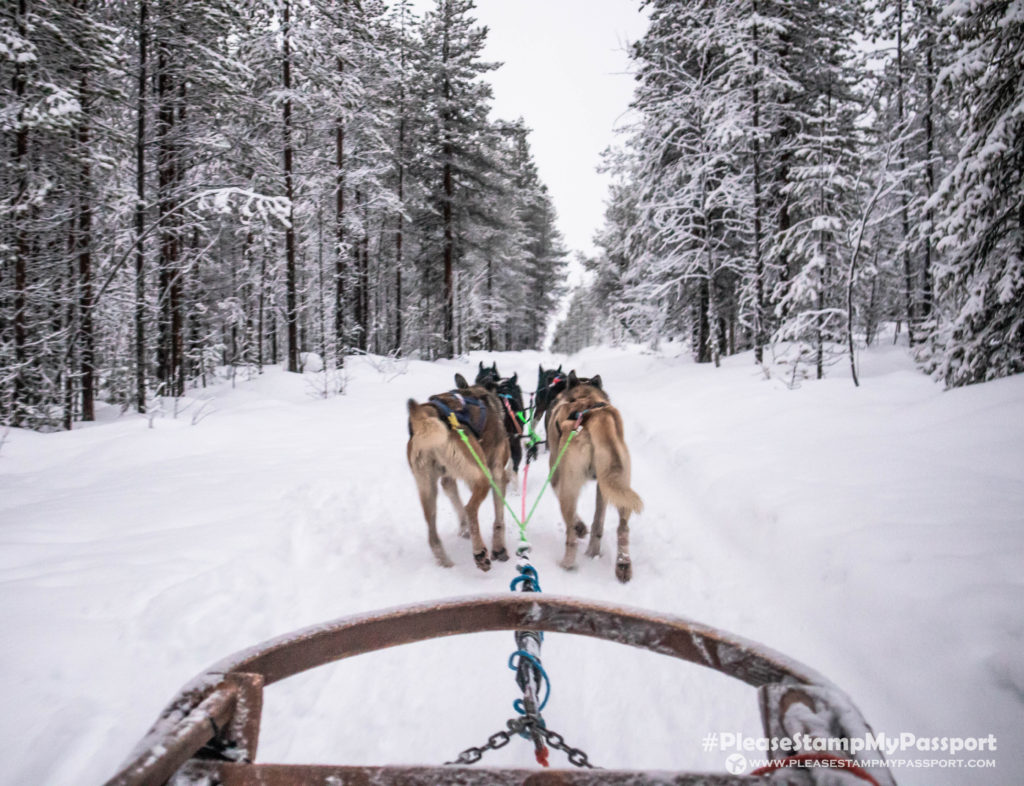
[(514, 665)]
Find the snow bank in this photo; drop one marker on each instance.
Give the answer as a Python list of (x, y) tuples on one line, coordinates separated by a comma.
[(873, 534)]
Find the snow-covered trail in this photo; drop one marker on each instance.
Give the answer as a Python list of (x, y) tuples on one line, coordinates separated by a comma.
[(874, 535)]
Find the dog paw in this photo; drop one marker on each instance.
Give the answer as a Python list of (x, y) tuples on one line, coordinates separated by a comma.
[(593, 551), (501, 555), (581, 529), (623, 570), (464, 532), (444, 562), (482, 561), (568, 564)]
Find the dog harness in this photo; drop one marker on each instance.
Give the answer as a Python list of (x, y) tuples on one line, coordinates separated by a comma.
[(463, 414), (578, 416)]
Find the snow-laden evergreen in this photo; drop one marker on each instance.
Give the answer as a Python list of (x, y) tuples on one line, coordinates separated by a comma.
[(981, 279), (791, 173), (386, 209)]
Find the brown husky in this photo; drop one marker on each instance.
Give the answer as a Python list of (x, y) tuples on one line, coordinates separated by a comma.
[(436, 452), (598, 451)]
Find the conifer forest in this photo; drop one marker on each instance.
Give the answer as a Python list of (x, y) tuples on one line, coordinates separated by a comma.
[(189, 185)]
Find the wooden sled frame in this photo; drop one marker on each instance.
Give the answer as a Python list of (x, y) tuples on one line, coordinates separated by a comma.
[(208, 734)]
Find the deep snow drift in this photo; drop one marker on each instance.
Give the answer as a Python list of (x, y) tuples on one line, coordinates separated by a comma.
[(875, 534)]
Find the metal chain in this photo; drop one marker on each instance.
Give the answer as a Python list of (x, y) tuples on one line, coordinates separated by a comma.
[(577, 758), (497, 740), (523, 725)]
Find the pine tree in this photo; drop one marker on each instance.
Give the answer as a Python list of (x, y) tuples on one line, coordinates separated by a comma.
[(455, 164), (981, 223), (534, 284), (764, 71), (55, 61), (259, 184), (691, 190)]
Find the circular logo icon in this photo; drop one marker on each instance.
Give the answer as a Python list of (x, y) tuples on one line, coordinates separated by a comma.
[(736, 763)]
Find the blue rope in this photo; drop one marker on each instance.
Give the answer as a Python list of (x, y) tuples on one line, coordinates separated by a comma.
[(529, 581), (527, 573), (514, 665)]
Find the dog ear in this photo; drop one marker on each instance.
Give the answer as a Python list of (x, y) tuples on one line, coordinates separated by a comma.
[(596, 382), (560, 369), (515, 378), (412, 405), (573, 379), (460, 381)]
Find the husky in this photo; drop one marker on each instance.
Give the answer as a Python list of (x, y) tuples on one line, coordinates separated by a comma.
[(550, 382), (507, 389), (436, 452), (597, 452), (488, 375)]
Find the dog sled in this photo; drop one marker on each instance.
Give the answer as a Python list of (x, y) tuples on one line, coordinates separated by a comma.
[(209, 733)]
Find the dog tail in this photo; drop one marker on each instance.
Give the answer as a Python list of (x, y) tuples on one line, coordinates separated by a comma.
[(425, 429), (611, 465)]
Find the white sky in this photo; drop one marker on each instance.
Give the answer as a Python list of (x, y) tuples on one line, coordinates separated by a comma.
[(566, 73)]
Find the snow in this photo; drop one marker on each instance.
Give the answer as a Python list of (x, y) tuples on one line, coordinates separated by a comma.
[(873, 534)]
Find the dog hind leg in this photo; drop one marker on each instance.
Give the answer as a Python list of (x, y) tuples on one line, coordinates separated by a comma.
[(597, 527), (451, 489), (498, 550), (427, 485), (568, 494), (623, 564), (479, 494)]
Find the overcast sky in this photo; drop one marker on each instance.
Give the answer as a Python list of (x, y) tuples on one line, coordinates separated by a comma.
[(566, 73)]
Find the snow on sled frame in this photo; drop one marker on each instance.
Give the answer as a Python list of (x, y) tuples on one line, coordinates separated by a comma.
[(208, 734)]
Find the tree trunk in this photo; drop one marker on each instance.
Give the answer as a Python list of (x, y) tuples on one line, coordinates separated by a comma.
[(381, 325), (871, 318), (71, 327), (927, 286), (274, 353), (819, 338), (340, 259), (177, 293), (140, 216), (400, 170), (20, 210), (760, 316), (87, 339), (363, 263), (399, 233), (908, 277), (260, 322), (165, 206), (321, 287), (490, 304), (291, 286), (703, 323), (448, 183)]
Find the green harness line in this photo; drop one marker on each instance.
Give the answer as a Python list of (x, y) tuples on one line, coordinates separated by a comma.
[(528, 425), (454, 423)]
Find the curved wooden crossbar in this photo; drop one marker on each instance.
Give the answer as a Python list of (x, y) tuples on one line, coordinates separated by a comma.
[(212, 726), (321, 644)]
